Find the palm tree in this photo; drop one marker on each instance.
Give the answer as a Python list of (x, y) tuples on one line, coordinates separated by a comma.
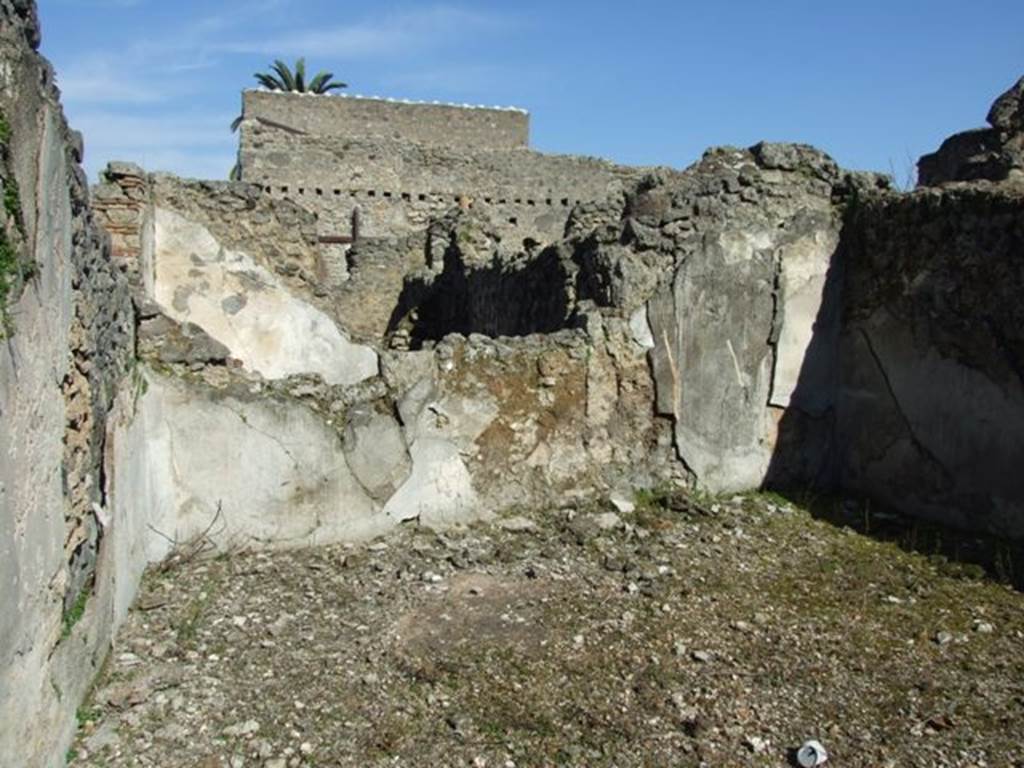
[(283, 79)]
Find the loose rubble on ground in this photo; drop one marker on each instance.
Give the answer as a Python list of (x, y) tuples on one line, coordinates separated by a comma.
[(662, 631)]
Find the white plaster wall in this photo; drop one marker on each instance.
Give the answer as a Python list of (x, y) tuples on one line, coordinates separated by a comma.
[(804, 268), (246, 308), (714, 361), (274, 470)]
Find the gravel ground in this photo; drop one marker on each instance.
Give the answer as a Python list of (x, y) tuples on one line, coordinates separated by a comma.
[(672, 635)]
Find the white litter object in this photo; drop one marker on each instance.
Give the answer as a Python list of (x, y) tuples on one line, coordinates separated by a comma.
[(812, 753)]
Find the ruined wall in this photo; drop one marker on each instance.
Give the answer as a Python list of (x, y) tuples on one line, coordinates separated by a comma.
[(761, 317), (709, 326), (932, 355), (995, 153), (723, 272), (354, 117), (68, 343), (399, 185), (707, 287), (261, 423), (931, 351), (244, 377)]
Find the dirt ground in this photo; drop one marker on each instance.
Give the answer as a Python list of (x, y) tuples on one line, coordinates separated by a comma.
[(678, 634)]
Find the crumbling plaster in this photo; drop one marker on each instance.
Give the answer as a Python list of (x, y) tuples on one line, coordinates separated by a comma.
[(214, 376)]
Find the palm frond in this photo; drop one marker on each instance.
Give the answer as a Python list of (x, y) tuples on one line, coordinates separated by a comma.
[(236, 123), (324, 83), (282, 78), (287, 80), (319, 81), (269, 81)]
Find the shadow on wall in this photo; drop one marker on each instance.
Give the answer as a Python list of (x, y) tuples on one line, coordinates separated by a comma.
[(886, 429), (804, 456), (509, 297)]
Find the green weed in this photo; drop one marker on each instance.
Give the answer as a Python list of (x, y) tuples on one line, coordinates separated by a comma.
[(74, 614), (15, 271), (9, 277), (12, 203)]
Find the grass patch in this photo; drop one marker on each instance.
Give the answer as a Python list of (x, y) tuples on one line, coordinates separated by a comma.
[(189, 626), (140, 384), (190, 619), (86, 714), (650, 498), (73, 615), (10, 274), (967, 555), (12, 203), (660, 507), (15, 271)]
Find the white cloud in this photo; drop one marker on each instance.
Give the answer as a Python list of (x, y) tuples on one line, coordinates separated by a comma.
[(104, 80), (196, 145), (464, 79), (393, 34), (141, 101), (155, 69), (104, 3)]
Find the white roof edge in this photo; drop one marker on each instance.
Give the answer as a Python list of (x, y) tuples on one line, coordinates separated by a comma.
[(394, 101)]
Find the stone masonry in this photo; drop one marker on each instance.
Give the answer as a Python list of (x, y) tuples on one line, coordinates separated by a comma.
[(223, 371), (353, 117), (995, 153), (373, 168), (64, 362)]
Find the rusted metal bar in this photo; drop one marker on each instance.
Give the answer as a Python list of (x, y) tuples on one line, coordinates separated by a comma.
[(281, 126)]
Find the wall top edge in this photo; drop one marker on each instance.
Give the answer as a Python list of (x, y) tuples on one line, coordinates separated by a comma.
[(389, 100)]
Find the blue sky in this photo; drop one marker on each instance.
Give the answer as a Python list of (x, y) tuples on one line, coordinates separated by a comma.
[(873, 83)]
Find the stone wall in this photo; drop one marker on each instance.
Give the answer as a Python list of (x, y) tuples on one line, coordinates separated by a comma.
[(701, 325), (350, 117), (931, 408), (68, 346), (235, 331), (397, 186), (995, 153), (762, 318)]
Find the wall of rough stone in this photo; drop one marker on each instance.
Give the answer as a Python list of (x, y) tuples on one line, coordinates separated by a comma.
[(400, 185), (713, 281), (995, 153), (67, 349), (330, 441), (931, 407), (720, 312), (356, 117), (245, 378), (760, 318), (931, 352)]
